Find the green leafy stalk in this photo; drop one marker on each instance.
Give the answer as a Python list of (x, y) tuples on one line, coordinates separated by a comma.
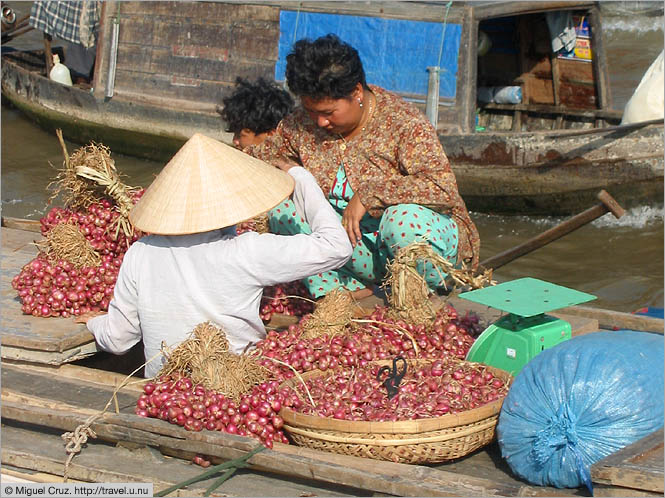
[(219, 481), (231, 464)]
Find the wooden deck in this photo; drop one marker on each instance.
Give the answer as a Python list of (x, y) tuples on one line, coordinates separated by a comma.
[(42, 402)]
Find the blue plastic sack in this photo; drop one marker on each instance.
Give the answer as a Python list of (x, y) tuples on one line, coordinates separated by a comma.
[(579, 402)]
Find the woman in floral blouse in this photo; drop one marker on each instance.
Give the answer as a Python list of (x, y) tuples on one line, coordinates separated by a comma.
[(379, 161)]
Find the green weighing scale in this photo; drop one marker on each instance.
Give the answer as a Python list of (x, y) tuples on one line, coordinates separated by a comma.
[(513, 340)]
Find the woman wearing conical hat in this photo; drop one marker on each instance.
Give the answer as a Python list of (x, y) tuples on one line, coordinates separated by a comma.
[(194, 268)]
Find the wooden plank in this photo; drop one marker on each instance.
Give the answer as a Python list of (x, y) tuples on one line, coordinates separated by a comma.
[(574, 71), (79, 394), (49, 358), (137, 31), (195, 95), (599, 61), (9, 475), (488, 10), (610, 320), (637, 466), (414, 11), (578, 95), (550, 109), (539, 90), (212, 12), (100, 71), (225, 70), (467, 81), (384, 477), (248, 39), (21, 224), (613, 491), (79, 373), (99, 462)]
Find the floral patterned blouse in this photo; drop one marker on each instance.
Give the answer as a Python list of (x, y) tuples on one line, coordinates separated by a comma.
[(398, 159)]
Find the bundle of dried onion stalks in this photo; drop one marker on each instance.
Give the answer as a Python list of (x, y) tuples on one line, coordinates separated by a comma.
[(66, 242), (205, 358), (409, 293), (87, 176), (331, 315)]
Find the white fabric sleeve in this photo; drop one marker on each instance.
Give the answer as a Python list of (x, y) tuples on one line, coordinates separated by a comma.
[(284, 258), (119, 329)]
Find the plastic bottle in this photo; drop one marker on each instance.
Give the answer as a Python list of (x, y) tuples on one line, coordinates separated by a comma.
[(59, 72), (508, 95), (500, 94)]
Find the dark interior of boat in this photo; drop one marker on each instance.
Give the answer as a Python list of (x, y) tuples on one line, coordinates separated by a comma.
[(542, 90)]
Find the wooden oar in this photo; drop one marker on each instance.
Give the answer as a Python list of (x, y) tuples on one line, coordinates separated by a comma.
[(616, 128), (607, 205)]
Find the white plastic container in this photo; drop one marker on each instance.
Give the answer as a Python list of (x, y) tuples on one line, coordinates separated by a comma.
[(500, 94), (59, 72), (508, 95)]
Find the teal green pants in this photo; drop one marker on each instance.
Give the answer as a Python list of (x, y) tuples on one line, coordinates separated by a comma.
[(399, 226)]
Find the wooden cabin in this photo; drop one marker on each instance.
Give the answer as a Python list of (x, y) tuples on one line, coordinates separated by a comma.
[(188, 55)]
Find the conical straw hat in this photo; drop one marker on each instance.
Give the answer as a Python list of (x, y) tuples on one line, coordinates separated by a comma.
[(209, 185)]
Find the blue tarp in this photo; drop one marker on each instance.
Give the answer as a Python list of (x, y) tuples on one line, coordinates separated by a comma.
[(395, 53)]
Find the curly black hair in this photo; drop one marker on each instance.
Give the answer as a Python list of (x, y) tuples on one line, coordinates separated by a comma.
[(258, 106), (325, 67)]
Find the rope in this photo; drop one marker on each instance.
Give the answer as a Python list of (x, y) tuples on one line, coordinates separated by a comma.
[(443, 35), (75, 440), (295, 26)]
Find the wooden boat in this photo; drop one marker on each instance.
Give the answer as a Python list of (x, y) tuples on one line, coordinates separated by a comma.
[(548, 154), (54, 379)]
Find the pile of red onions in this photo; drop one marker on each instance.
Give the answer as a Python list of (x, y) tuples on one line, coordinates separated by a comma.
[(377, 337), (178, 401), (446, 341), (433, 390), (280, 299), (58, 288), (97, 224)]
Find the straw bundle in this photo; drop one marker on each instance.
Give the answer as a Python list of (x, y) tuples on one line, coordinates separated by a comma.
[(409, 292), (205, 358), (76, 191), (261, 224), (331, 315), (90, 174), (66, 242)]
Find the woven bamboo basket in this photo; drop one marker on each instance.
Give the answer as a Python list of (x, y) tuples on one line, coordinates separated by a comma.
[(427, 440)]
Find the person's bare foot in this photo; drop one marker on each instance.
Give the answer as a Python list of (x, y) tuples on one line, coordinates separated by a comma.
[(361, 293)]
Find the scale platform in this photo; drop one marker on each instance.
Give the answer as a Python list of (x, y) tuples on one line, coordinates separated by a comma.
[(513, 340)]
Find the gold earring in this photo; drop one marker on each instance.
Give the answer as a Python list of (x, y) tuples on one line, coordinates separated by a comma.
[(360, 102)]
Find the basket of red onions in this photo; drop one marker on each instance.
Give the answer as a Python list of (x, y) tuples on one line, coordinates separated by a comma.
[(442, 409)]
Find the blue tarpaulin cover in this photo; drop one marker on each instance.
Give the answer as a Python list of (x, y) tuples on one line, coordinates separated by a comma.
[(579, 402), (395, 53)]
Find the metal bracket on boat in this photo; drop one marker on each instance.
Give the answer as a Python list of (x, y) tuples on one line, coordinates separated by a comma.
[(394, 376)]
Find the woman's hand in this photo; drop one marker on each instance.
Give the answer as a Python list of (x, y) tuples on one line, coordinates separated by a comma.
[(85, 317), (284, 165), (351, 219)]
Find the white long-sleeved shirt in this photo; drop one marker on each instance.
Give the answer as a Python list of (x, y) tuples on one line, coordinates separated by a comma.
[(167, 285)]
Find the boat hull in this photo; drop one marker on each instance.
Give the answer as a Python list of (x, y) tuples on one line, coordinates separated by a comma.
[(133, 127), (558, 173), (535, 173)]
